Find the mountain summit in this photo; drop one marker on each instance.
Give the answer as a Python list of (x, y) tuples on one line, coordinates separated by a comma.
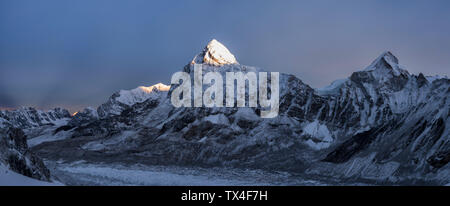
[(124, 99), (388, 62), (215, 53)]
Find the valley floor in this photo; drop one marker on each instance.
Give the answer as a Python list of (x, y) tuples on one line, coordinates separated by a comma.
[(83, 173), (104, 171)]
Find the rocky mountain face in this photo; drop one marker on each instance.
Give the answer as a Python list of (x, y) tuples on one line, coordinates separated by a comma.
[(15, 155), (28, 117), (124, 99), (14, 152), (397, 124), (380, 124)]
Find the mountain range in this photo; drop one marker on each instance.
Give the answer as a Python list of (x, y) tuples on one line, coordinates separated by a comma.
[(381, 125)]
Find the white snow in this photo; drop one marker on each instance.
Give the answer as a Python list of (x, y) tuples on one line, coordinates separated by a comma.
[(11, 178), (138, 174), (435, 77), (61, 122), (140, 94), (333, 88), (90, 111), (409, 96), (202, 140), (218, 119), (48, 137), (317, 145), (246, 113), (386, 56), (382, 73), (121, 138), (141, 177), (322, 137), (215, 53)]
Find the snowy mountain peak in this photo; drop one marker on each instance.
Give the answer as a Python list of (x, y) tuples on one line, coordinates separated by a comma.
[(126, 98), (215, 53), (389, 57), (140, 94), (387, 62), (156, 87)]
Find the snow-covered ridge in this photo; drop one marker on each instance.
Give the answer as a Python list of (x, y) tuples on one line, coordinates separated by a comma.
[(333, 88), (435, 77), (215, 53), (124, 99), (140, 94), (386, 62), (382, 69), (27, 117)]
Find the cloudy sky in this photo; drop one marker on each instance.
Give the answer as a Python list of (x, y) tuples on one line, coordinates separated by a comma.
[(75, 54)]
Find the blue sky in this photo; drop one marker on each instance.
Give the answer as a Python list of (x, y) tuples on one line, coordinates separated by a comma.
[(75, 54)]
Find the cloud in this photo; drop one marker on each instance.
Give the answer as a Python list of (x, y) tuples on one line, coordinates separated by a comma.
[(7, 101)]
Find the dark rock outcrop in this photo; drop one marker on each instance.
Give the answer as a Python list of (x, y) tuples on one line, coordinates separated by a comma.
[(15, 154)]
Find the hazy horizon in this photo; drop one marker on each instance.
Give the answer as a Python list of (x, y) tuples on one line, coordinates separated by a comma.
[(76, 54)]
